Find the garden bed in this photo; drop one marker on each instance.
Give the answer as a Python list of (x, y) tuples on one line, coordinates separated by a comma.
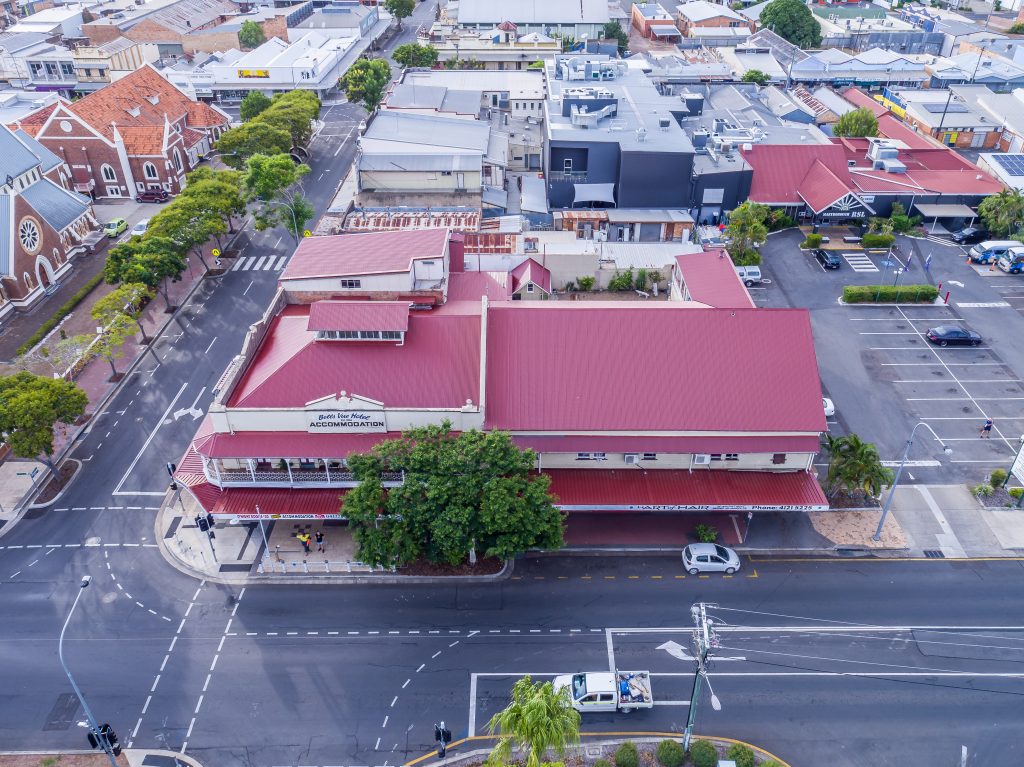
[(1000, 499), (54, 486), (855, 500), (483, 566)]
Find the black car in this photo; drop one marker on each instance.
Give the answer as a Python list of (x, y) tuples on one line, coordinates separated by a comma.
[(950, 335), (970, 235), (152, 195), (827, 258)]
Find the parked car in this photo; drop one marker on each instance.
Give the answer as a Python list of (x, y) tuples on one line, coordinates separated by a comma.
[(829, 405), (140, 228), (950, 335), (152, 195), (115, 227), (751, 275), (827, 258), (992, 250), (710, 558), (970, 235), (1012, 262)]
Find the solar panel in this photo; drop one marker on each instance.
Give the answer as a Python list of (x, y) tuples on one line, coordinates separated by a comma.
[(1013, 164)]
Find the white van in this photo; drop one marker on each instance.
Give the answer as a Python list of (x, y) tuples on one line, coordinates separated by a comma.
[(992, 250), (751, 275)]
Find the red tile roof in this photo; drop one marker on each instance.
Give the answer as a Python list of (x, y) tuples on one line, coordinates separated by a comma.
[(701, 490), (192, 137), (821, 187), (531, 271), (358, 315), (710, 278), (202, 115), (342, 255), (33, 123), (733, 370), (438, 366), (143, 141), (780, 170)]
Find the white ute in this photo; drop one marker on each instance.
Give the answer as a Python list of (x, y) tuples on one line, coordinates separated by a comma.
[(607, 690)]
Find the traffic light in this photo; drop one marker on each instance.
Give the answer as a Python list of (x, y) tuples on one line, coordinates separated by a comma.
[(204, 524), (108, 734), (443, 736)]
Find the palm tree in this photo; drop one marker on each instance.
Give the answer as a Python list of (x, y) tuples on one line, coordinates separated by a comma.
[(536, 719), (855, 465)]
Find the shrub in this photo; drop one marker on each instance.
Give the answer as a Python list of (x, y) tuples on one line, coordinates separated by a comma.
[(983, 490), (997, 478), (778, 220), (812, 241), (871, 240), (706, 533), (703, 754), (641, 279), (1016, 492), (621, 281), (602, 763), (749, 257), (740, 754), (626, 755), (570, 286), (1017, 29), (889, 294), (60, 314), (670, 753), (586, 283)]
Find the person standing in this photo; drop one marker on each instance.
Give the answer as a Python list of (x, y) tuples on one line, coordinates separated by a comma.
[(320, 541), (986, 429), (304, 540)]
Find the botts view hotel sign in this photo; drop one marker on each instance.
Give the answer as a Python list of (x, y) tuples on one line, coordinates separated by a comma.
[(323, 421)]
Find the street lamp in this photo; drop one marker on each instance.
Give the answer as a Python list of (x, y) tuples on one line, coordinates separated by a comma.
[(101, 736), (896, 479), (295, 222), (974, 74)]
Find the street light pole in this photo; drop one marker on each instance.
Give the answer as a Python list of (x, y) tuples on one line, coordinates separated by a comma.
[(899, 472), (295, 222), (94, 728), (974, 74), (702, 638)]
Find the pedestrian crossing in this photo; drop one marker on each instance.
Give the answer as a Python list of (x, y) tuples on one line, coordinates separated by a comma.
[(859, 262), (259, 264)]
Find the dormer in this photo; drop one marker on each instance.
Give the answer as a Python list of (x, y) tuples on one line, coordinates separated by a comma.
[(374, 321), (134, 111), (153, 99)]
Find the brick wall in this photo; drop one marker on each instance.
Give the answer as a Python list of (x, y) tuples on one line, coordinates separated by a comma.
[(148, 31), (99, 33), (25, 261), (210, 42)]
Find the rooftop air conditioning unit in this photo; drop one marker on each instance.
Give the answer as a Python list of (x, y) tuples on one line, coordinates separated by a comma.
[(701, 459), (632, 459)]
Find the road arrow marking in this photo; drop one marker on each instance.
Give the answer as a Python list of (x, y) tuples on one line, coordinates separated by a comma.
[(193, 411), (676, 650)]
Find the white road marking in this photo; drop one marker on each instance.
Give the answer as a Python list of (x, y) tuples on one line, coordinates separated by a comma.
[(280, 263), (259, 263), (152, 434), (984, 305), (211, 345)]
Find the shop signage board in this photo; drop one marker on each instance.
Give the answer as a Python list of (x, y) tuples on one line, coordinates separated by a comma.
[(345, 421)]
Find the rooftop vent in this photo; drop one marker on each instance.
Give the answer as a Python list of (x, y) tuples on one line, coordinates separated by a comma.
[(663, 123)]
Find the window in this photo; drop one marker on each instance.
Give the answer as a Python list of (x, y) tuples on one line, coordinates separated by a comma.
[(108, 173), (649, 457), (372, 334), (779, 458), (28, 235), (177, 160), (67, 69), (591, 457), (732, 456), (716, 456), (529, 287), (391, 335), (352, 284), (149, 169), (446, 173)]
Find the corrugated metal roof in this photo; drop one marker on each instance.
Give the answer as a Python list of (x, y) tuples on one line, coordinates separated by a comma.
[(669, 490), (533, 11), (399, 162), (710, 278), (280, 502), (471, 286), (531, 271), (343, 255), (429, 130), (59, 207), (718, 370), (5, 234), (15, 157), (288, 444), (47, 159), (358, 315)]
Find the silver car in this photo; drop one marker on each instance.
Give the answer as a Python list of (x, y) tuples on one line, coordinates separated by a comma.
[(710, 558)]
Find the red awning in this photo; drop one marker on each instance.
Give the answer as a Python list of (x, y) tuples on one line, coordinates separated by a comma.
[(279, 503), (703, 490)]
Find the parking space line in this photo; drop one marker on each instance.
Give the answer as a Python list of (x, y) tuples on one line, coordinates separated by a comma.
[(932, 364), (968, 398), (944, 381)]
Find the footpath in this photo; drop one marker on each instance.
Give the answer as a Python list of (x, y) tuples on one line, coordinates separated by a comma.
[(130, 757)]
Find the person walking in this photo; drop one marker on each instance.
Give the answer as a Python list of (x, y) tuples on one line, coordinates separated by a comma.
[(320, 541), (986, 429), (304, 540)]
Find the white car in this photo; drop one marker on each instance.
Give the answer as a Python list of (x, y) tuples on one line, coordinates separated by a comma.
[(829, 405), (710, 558), (140, 228)]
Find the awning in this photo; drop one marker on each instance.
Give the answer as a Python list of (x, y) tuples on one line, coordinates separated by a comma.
[(700, 490), (665, 31), (491, 195), (594, 193), (534, 198), (938, 210), (279, 503)]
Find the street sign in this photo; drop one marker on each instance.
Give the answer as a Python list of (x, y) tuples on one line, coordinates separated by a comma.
[(1017, 469), (215, 252), (307, 233)]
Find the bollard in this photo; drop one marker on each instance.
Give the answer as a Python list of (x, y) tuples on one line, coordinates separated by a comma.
[(946, 299), (349, 564), (327, 566), (305, 566), (259, 568), (939, 288)]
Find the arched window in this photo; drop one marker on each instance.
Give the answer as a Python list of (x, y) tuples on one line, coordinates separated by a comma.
[(28, 234), (177, 160), (56, 256), (27, 279), (108, 173), (150, 170)]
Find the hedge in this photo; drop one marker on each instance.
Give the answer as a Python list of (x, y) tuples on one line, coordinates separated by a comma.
[(889, 294), (812, 241), (870, 240), (60, 314)]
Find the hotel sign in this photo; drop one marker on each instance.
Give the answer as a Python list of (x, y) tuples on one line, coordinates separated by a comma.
[(348, 421), (260, 73)]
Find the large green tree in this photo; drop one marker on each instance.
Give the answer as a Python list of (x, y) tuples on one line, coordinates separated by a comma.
[(415, 55), (793, 21), (190, 224), (254, 103), (537, 719), (273, 183), (294, 112), (855, 465), (467, 492), (1003, 213), (746, 229), (250, 35), (400, 9), (365, 81), (219, 191), (31, 406), (756, 76), (857, 123), (613, 31), (125, 300), (151, 260), (239, 144)]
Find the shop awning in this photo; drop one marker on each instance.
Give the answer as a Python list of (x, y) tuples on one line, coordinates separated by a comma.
[(594, 193), (940, 210), (665, 31), (700, 490), (534, 198), (279, 503)]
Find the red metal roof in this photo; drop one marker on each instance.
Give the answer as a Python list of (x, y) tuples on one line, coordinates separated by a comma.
[(288, 444), (859, 98), (358, 315), (711, 279), (780, 170), (531, 271), (470, 286), (342, 255), (822, 188), (438, 365), (632, 368), (669, 490), (282, 503)]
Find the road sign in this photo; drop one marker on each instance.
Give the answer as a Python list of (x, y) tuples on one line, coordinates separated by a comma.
[(1017, 469), (215, 252), (307, 233)]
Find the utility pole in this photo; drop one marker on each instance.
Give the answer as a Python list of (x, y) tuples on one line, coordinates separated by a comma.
[(703, 639)]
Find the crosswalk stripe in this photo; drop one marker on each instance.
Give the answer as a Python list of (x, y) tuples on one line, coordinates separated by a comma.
[(280, 262), (238, 265), (259, 263), (859, 262), (270, 264)]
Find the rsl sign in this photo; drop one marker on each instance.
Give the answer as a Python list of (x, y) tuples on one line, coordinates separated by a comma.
[(350, 421)]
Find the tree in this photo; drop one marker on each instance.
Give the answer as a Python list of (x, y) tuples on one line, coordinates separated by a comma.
[(250, 36), (857, 123), (219, 191), (400, 9), (793, 21), (109, 342), (855, 465), (756, 76), (126, 300), (270, 180), (365, 81), (461, 493), (151, 260), (253, 104), (746, 228), (415, 55), (239, 144), (293, 116), (1003, 213), (293, 212), (614, 31), (30, 408), (537, 719), (189, 224)]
